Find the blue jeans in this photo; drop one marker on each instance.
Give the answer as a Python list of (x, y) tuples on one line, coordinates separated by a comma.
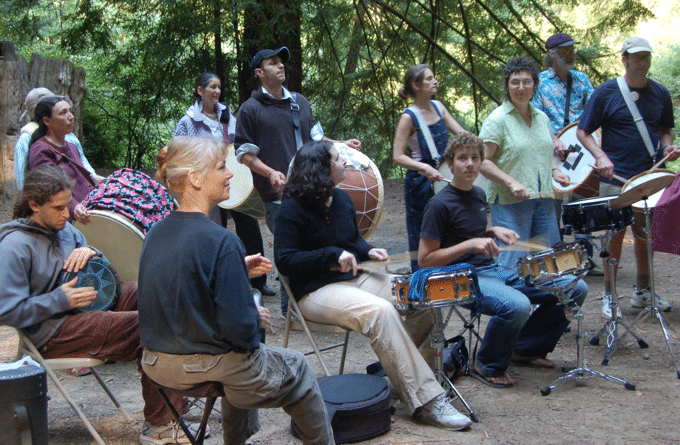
[(271, 211), (507, 299), (528, 218), (417, 192)]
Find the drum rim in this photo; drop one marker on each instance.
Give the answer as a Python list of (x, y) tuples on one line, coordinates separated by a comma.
[(112, 215)]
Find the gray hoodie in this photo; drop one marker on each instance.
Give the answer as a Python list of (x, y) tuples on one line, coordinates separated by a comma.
[(31, 261)]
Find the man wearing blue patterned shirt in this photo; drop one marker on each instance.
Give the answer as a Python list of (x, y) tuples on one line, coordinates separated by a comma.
[(551, 96)]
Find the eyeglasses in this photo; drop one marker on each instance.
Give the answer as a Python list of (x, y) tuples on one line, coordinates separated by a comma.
[(528, 83)]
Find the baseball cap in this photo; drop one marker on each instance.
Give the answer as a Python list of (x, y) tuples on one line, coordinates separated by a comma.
[(267, 53), (636, 45), (559, 39), (32, 99)]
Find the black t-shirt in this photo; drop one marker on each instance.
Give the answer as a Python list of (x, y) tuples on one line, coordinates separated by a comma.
[(454, 216)]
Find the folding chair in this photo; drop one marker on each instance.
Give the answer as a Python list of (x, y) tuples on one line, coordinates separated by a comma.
[(208, 390), (299, 323), (26, 347), (469, 326)]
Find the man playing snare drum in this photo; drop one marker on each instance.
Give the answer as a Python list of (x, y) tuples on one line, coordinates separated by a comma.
[(624, 151), (454, 231), (36, 248)]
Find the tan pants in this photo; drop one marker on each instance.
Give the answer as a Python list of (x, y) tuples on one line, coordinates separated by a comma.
[(366, 305)]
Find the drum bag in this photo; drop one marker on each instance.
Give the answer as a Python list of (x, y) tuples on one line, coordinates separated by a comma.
[(358, 406), (665, 233)]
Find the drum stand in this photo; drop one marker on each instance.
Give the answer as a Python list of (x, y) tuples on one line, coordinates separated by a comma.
[(437, 340), (653, 309), (611, 326), (574, 311)]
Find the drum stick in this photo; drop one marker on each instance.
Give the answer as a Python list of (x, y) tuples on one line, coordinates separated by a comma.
[(446, 180), (659, 163), (530, 246), (617, 177)]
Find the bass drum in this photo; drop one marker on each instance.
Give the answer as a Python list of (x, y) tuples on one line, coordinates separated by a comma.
[(242, 194), (585, 181), (445, 171)]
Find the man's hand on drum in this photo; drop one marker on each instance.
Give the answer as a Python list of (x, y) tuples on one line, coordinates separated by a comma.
[(258, 265), (378, 254), (347, 262), (277, 179), (78, 258), (604, 166), (81, 214), (265, 317), (483, 246), (353, 143), (507, 236), (78, 297), (519, 191), (559, 149), (561, 177), (430, 173), (672, 151)]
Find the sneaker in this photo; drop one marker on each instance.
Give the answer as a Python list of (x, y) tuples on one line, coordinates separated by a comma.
[(79, 372), (440, 413), (170, 433), (606, 308), (643, 299)]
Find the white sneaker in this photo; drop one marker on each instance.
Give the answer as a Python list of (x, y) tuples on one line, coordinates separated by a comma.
[(606, 308), (643, 298), (440, 413), (170, 433)]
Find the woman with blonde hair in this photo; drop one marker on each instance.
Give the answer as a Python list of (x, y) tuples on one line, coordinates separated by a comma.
[(198, 320)]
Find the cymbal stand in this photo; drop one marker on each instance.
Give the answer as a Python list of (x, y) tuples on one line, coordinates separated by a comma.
[(653, 309), (437, 340), (581, 373), (611, 326)]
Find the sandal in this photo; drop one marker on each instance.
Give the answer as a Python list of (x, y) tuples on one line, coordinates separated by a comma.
[(479, 375)]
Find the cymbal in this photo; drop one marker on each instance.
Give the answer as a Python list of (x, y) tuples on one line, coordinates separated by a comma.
[(648, 185)]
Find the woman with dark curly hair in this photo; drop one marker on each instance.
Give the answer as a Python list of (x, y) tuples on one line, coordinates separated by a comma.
[(518, 161), (317, 245)]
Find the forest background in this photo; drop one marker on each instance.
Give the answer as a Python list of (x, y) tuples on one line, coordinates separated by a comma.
[(347, 56)]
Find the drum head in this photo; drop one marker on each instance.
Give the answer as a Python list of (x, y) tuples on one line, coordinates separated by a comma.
[(118, 239), (577, 164), (364, 185), (242, 194), (98, 275), (643, 177)]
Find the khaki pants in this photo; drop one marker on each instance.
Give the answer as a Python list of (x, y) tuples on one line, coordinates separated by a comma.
[(366, 305)]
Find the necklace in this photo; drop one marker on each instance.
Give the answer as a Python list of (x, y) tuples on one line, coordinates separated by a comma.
[(212, 116)]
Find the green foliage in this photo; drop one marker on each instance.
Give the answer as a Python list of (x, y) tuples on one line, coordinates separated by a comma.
[(666, 70), (142, 57)]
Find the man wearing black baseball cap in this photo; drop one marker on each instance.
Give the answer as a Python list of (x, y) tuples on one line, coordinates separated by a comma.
[(624, 151), (271, 126)]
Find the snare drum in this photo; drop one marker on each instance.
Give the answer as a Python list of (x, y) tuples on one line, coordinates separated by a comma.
[(242, 194), (441, 289), (97, 273), (595, 214), (364, 185), (639, 207), (118, 239), (551, 264), (584, 180)]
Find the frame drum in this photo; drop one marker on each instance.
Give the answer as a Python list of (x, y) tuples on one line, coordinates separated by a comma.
[(242, 194), (585, 181), (639, 207), (118, 239)]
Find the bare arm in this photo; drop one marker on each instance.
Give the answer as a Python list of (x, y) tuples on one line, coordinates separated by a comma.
[(276, 178), (405, 129), (667, 142), (430, 253), (491, 171), (602, 162)]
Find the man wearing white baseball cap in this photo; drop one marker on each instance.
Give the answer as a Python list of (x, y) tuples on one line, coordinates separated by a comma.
[(624, 151)]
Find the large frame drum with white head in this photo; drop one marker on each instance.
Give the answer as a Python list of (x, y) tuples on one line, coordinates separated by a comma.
[(584, 180)]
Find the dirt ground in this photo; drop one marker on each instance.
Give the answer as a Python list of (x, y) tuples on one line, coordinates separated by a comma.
[(600, 412)]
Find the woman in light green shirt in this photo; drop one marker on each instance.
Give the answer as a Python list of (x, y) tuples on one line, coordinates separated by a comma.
[(519, 162)]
